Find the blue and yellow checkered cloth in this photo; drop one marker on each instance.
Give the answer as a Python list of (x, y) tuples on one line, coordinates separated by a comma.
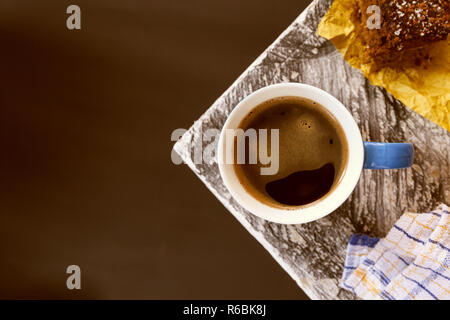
[(411, 262)]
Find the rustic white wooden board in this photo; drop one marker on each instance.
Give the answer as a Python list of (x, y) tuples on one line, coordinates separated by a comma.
[(313, 254)]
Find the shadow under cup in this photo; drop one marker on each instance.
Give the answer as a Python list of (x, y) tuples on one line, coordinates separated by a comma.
[(289, 152)]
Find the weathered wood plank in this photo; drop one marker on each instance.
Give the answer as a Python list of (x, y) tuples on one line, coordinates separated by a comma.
[(313, 254)]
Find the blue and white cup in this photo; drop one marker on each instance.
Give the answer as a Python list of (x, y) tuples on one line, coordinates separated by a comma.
[(361, 154)]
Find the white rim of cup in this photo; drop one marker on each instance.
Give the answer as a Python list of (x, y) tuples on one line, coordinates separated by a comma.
[(321, 207)]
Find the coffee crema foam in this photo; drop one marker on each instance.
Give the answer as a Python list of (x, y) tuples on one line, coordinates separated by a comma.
[(313, 153)]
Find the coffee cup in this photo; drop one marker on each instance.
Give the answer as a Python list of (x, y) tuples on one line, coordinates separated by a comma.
[(359, 155)]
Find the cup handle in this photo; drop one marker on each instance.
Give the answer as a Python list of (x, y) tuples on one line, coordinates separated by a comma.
[(379, 155)]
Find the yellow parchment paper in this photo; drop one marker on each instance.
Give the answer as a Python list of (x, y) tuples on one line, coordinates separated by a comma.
[(424, 90)]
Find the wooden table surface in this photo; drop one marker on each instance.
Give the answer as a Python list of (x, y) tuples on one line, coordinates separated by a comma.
[(313, 254), (86, 118)]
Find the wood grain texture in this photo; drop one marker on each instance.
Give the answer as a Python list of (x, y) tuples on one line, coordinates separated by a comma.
[(313, 254)]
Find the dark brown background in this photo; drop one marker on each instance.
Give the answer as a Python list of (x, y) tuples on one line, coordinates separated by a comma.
[(85, 171)]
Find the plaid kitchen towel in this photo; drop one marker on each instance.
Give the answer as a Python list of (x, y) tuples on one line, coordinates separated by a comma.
[(411, 262)]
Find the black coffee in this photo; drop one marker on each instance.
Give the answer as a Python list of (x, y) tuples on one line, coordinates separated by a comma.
[(312, 152), (302, 187)]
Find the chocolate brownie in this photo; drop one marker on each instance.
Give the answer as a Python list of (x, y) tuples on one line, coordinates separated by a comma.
[(406, 28)]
